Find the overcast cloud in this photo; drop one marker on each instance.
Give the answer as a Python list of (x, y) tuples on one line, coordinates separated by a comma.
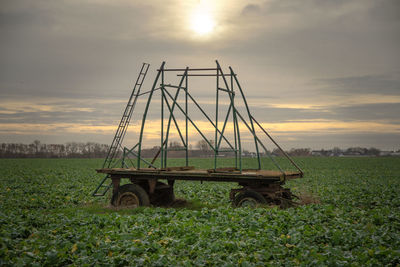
[(328, 71)]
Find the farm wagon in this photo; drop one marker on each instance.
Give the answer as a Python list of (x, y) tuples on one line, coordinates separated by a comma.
[(257, 186)]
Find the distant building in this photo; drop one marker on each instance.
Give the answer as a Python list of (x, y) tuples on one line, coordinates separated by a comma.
[(322, 153), (389, 154)]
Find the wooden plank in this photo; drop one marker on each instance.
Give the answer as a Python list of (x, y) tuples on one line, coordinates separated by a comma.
[(179, 173)]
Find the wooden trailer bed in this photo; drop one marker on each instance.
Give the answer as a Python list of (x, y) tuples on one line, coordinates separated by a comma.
[(190, 173)]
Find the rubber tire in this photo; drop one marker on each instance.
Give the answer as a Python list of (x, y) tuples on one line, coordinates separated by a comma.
[(137, 190), (255, 196), (165, 196), (160, 197)]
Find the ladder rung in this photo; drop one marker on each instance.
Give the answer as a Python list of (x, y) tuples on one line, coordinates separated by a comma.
[(113, 152)]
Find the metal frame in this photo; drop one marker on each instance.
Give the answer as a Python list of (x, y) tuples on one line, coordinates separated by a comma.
[(225, 83)]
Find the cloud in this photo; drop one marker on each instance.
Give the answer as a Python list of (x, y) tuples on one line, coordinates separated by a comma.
[(251, 9), (152, 128), (332, 126), (366, 84), (386, 11), (373, 112), (287, 15), (108, 111), (315, 65)]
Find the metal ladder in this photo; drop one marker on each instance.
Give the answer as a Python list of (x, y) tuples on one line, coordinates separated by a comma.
[(102, 189)]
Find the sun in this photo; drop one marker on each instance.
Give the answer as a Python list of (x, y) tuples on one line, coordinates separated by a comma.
[(201, 22)]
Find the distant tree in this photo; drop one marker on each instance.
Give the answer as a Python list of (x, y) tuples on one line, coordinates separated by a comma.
[(72, 149), (97, 150), (374, 151), (336, 151), (277, 152), (37, 149), (175, 144), (357, 151), (36, 143), (203, 145), (304, 152)]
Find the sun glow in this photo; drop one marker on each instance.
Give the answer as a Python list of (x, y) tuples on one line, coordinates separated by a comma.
[(202, 23)]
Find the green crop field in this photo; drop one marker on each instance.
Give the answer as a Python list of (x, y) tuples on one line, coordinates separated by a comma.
[(48, 217)]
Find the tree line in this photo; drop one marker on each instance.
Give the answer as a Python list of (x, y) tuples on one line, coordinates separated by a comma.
[(40, 150), (201, 149)]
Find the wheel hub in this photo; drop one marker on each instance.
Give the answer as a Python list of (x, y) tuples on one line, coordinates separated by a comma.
[(248, 202), (128, 199)]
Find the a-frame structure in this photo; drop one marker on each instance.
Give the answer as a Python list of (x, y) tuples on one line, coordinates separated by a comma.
[(175, 99)]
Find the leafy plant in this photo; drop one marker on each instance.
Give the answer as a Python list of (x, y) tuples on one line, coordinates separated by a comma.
[(48, 217)]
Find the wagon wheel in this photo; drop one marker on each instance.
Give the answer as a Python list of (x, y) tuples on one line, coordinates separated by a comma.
[(249, 199), (130, 195), (164, 194)]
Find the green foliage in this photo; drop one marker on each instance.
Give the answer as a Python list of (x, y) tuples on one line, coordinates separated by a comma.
[(48, 217)]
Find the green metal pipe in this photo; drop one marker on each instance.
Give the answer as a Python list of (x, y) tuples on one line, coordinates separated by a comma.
[(202, 111), (145, 113), (249, 114), (129, 150), (231, 97), (194, 125), (258, 140), (186, 122), (142, 159), (283, 151), (162, 119), (225, 122), (172, 115), (234, 125), (176, 123), (238, 138), (208, 118), (216, 122), (133, 165), (123, 158)]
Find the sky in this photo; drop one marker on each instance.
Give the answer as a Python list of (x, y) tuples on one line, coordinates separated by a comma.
[(316, 73)]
